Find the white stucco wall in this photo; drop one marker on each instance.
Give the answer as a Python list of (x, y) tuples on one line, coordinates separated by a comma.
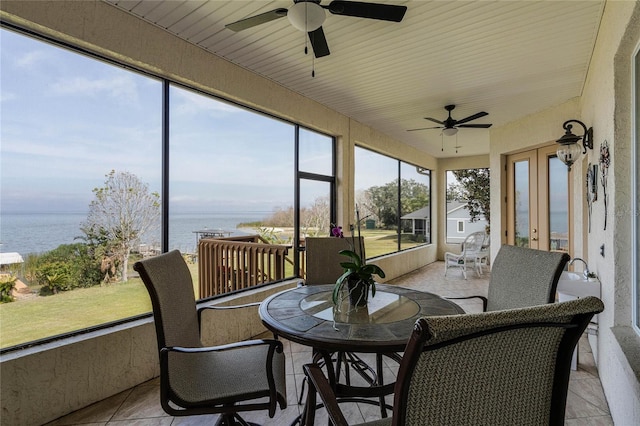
[(606, 106)]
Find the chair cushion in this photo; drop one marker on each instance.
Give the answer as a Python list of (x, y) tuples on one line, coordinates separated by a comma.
[(234, 374)]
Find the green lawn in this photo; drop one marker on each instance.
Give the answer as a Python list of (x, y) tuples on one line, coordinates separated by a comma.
[(379, 242), (40, 317)]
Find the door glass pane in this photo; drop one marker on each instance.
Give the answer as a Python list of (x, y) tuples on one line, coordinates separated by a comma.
[(521, 214), (558, 205), (315, 208), (315, 214)]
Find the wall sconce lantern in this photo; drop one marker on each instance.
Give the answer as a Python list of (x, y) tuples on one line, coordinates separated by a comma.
[(569, 150)]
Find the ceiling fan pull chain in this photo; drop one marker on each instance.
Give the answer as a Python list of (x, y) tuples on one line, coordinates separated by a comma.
[(442, 139)]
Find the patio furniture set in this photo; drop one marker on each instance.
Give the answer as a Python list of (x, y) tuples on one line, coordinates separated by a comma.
[(507, 365)]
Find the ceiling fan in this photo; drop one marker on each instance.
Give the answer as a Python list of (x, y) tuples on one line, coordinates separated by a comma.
[(450, 125), (309, 15)]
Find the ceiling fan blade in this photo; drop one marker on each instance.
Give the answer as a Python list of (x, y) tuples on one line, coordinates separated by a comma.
[(434, 120), (424, 128), (384, 12), (472, 117), (252, 21), (319, 43), (476, 126)]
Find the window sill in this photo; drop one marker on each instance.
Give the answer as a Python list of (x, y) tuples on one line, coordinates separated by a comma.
[(629, 342)]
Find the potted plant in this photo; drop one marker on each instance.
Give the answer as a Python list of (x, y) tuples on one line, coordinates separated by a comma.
[(358, 275)]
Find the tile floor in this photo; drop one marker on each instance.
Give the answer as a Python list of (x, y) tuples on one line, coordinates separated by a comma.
[(586, 403)]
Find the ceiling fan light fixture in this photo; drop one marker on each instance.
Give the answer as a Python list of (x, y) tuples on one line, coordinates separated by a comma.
[(450, 131), (306, 16)]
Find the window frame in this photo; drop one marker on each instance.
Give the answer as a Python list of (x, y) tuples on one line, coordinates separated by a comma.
[(635, 190)]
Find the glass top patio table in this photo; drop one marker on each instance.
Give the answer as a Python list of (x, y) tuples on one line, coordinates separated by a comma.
[(306, 315)]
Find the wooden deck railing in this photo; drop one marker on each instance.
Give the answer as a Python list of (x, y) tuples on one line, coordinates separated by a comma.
[(235, 263)]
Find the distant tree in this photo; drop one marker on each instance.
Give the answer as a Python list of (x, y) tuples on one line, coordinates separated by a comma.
[(473, 188), (382, 201), (315, 220), (413, 195), (455, 192), (122, 211), (280, 218)]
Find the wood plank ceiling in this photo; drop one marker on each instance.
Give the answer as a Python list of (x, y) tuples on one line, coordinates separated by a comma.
[(508, 58)]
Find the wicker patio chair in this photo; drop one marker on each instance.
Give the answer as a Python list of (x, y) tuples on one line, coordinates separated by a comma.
[(469, 256), (225, 380), (507, 367), (522, 277)]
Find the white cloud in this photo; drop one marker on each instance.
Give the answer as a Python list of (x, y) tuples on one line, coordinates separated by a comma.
[(121, 87), (8, 96), (189, 103), (30, 59)]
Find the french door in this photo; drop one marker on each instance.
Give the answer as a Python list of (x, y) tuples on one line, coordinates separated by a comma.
[(538, 200)]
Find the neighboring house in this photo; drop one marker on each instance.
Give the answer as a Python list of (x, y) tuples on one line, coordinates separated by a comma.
[(459, 223), (420, 222), (8, 259)]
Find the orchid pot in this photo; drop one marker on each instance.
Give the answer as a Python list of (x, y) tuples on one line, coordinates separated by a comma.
[(357, 279)]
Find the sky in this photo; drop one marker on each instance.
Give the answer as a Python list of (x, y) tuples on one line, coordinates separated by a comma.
[(67, 120)]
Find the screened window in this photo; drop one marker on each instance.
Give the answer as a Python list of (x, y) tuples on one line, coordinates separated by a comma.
[(74, 127), (393, 200), (467, 203), (69, 125)]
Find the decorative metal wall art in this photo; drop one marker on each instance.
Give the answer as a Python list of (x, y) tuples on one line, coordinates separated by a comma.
[(605, 160), (592, 188)]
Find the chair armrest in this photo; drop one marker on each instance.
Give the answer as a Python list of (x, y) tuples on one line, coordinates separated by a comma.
[(320, 384), (484, 300)]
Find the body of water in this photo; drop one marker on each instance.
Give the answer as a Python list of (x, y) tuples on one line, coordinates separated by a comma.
[(39, 232)]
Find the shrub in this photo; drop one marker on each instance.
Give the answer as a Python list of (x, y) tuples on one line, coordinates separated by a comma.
[(67, 267), (6, 286)]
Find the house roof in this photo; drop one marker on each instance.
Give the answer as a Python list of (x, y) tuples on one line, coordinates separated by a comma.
[(423, 213), (509, 59), (455, 205), (10, 258)]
